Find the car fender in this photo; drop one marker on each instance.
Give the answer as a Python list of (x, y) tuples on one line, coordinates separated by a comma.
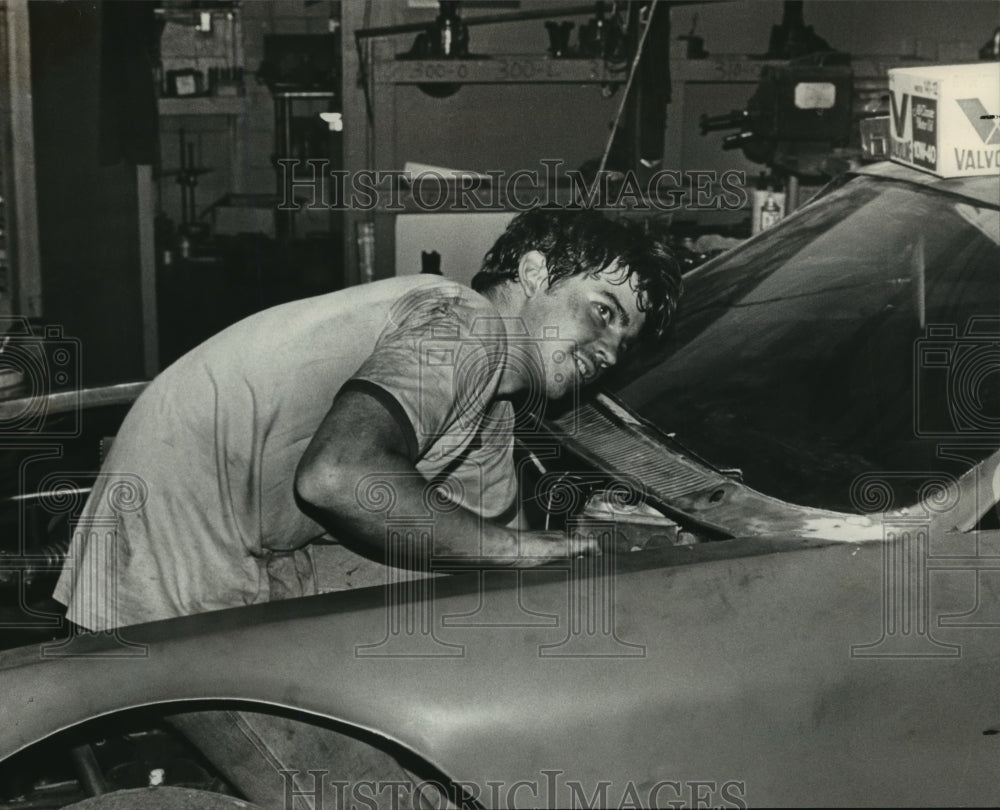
[(661, 676)]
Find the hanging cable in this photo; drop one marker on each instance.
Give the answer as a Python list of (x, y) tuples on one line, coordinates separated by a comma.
[(628, 87)]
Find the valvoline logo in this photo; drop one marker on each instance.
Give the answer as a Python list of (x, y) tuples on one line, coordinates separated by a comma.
[(987, 126)]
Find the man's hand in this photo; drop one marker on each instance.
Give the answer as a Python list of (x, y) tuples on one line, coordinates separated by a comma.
[(530, 549), (360, 438), (536, 548)]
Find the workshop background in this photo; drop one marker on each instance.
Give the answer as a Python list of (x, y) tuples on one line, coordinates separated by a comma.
[(141, 140)]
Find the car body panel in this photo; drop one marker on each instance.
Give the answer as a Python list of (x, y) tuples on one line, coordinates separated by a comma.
[(982, 188), (714, 672)]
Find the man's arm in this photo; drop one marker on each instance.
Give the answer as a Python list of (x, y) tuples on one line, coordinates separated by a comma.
[(359, 438)]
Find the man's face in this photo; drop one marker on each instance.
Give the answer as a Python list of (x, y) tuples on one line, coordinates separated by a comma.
[(595, 319)]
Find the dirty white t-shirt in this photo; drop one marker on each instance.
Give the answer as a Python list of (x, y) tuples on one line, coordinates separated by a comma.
[(194, 508)]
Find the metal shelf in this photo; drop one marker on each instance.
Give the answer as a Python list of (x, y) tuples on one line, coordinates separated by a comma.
[(388, 74), (505, 69), (202, 105)]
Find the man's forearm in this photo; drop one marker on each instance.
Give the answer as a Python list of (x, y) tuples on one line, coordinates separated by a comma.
[(363, 503), (357, 456)]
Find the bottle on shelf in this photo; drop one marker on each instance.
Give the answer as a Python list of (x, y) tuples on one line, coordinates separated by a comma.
[(768, 205), (770, 212), (452, 34)]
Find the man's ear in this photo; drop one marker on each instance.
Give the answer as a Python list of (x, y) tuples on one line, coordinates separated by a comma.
[(532, 273)]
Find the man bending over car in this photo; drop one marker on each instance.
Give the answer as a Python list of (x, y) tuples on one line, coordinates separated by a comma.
[(275, 433), (262, 439)]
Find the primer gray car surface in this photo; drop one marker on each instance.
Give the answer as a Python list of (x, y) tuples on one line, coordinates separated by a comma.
[(799, 599)]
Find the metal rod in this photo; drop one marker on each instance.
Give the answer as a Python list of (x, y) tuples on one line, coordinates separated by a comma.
[(73, 401), (625, 92), (538, 14), (791, 195), (192, 179), (50, 493), (182, 174), (89, 771)]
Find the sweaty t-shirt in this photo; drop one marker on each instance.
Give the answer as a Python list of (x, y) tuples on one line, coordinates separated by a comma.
[(194, 508)]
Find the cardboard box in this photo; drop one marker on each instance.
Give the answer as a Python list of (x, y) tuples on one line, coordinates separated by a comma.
[(946, 119)]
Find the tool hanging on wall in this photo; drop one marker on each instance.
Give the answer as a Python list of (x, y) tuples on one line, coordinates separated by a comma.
[(792, 38), (186, 176), (433, 31), (616, 121), (635, 143), (187, 179)]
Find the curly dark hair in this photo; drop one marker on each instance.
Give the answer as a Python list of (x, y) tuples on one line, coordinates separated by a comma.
[(578, 241)]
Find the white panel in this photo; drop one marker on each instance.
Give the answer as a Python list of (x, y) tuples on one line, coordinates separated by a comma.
[(461, 239)]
